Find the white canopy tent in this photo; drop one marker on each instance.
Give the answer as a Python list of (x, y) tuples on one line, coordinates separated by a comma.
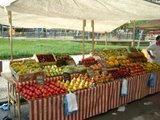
[(89, 9), (107, 14), (37, 21)]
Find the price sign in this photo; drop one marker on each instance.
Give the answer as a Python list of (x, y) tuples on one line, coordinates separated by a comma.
[(40, 79), (66, 76)]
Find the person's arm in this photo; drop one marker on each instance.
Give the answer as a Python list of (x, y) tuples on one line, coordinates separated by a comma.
[(151, 56)]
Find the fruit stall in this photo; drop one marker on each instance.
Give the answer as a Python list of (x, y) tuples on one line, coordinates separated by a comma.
[(100, 83)]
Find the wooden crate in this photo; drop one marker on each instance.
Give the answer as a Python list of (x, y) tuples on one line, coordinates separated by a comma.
[(63, 60), (45, 59), (23, 77)]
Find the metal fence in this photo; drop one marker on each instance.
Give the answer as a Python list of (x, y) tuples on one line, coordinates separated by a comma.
[(74, 35)]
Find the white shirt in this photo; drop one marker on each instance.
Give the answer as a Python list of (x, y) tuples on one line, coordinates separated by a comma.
[(155, 50)]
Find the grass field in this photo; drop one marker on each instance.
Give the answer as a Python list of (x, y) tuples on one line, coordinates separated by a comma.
[(28, 47)]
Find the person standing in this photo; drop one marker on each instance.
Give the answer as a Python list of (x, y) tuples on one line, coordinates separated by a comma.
[(154, 50)]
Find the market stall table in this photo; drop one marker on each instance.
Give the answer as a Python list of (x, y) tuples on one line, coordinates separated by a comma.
[(94, 101), (91, 101)]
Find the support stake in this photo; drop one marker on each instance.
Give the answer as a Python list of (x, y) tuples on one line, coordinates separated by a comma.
[(92, 25), (10, 33), (134, 31), (83, 35)]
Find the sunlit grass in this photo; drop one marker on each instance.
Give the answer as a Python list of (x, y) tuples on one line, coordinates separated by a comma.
[(28, 47)]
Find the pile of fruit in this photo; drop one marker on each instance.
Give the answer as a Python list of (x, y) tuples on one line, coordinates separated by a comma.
[(114, 52), (96, 66), (45, 58), (151, 66), (64, 60), (124, 62), (135, 68), (52, 70), (25, 67), (88, 60), (101, 77), (75, 84), (74, 69), (137, 57), (112, 61), (117, 74), (32, 91)]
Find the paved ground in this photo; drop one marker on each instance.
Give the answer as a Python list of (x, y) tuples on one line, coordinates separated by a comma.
[(133, 111), (3, 88), (3, 82)]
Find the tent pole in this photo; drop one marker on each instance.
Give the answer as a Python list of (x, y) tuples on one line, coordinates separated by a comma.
[(140, 37), (2, 30), (106, 40), (11, 33), (134, 31), (83, 35), (92, 24)]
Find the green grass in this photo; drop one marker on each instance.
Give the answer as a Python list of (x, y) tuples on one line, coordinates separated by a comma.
[(28, 47)]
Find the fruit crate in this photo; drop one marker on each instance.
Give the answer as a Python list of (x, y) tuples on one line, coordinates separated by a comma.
[(24, 76), (64, 60), (112, 52), (45, 59)]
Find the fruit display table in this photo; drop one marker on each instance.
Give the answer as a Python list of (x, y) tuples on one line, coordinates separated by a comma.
[(91, 101), (137, 89), (94, 101)]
